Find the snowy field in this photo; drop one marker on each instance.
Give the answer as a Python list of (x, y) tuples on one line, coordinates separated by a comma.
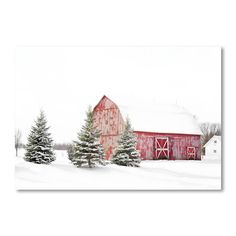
[(151, 175)]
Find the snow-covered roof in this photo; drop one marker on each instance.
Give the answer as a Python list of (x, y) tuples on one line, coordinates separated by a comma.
[(215, 137), (161, 118), (152, 116)]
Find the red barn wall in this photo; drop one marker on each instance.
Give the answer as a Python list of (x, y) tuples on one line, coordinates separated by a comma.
[(178, 144), (108, 119)]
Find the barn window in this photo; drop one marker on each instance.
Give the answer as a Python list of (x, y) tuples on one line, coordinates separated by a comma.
[(215, 141), (214, 151), (191, 152)]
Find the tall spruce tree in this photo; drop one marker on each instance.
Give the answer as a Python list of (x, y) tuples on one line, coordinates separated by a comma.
[(126, 153), (87, 150), (39, 148)]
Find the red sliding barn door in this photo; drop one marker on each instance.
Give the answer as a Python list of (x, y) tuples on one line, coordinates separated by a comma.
[(162, 148)]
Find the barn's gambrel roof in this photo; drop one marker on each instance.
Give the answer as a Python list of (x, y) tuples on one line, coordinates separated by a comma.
[(158, 117)]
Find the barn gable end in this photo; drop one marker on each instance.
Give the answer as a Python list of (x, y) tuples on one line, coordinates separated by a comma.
[(213, 146), (108, 119)]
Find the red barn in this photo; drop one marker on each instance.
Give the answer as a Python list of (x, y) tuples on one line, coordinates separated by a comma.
[(163, 132)]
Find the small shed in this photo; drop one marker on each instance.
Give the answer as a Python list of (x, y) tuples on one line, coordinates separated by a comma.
[(162, 131), (213, 147)]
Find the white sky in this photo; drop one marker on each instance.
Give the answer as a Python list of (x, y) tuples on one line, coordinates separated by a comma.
[(63, 81)]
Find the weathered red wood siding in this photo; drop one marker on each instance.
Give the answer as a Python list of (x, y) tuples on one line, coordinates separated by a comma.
[(178, 144), (108, 119)]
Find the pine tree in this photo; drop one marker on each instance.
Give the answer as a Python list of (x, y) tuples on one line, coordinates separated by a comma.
[(71, 152), (87, 150), (39, 148), (126, 153)]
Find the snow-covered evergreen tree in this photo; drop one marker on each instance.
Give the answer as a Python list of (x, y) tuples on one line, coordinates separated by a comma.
[(71, 152), (39, 148), (87, 150), (126, 153)]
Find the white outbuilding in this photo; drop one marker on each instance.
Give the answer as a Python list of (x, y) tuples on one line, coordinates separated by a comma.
[(213, 147)]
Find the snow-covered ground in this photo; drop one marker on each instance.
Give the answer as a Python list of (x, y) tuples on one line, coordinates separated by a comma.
[(152, 175)]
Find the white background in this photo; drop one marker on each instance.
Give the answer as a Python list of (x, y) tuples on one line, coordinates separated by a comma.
[(63, 81), (202, 22)]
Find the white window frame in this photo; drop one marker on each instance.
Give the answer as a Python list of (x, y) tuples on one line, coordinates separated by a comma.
[(191, 154)]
